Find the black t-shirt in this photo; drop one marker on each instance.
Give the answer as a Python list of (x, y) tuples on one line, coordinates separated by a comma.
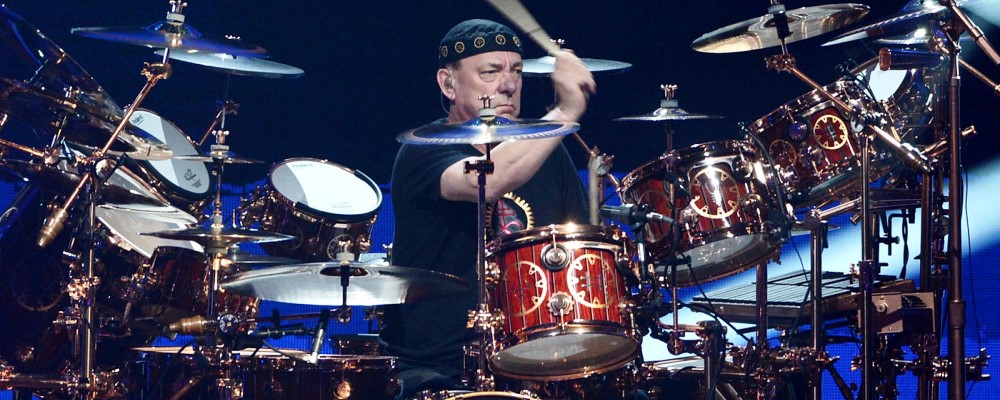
[(440, 235)]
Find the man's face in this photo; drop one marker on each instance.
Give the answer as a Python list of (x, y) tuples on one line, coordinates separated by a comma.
[(496, 74)]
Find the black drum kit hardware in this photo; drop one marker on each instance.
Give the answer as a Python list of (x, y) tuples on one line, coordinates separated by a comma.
[(130, 231)]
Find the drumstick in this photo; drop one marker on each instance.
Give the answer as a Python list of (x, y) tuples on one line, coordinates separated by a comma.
[(516, 13)]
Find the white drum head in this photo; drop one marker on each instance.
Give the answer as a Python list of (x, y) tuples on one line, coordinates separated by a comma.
[(126, 223), (191, 177), (884, 84), (326, 187)]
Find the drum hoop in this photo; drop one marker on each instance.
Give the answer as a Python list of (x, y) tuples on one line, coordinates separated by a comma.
[(282, 199), (810, 102), (156, 178), (599, 234)]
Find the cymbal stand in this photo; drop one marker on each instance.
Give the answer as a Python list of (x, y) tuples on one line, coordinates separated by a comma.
[(956, 303), (482, 319), (226, 107), (598, 165)]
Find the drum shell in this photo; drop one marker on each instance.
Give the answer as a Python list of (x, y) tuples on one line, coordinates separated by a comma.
[(589, 283), (724, 207), (316, 232)]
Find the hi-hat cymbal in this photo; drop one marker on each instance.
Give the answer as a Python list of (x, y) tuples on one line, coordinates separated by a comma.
[(487, 130), (320, 284), (219, 238), (171, 35), (902, 23), (545, 66), (85, 124), (238, 65), (64, 182), (760, 33)]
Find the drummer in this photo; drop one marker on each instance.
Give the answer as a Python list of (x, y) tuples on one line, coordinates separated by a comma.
[(534, 184)]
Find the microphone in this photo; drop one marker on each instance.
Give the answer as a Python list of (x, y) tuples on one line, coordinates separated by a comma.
[(632, 214), (52, 226), (895, 59)]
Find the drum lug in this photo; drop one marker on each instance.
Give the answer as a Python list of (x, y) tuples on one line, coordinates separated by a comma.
[(555, 257), (560, 304), (230, 389), (492, 275), (343, 390)]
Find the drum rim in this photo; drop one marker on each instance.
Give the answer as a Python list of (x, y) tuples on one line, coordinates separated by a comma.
[(574, 373), (809, 103), (147, 167), (609, 234), (280, 197)]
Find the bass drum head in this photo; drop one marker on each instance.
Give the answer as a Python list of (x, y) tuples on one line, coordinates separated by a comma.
[(185, 178), (326, 189)]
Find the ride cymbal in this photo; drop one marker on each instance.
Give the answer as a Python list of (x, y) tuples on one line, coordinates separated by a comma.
[(760, 32), (321, 284)]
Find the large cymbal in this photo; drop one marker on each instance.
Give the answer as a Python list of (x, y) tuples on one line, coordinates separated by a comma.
[(227, 157), (320, 284), (238, 65), (30, 56), (487, 130), (86, 123), (545, 66), (902, 23), (219, 238), (171, 35), (760, 33)]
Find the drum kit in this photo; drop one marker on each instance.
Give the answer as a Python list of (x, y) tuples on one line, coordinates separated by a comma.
[(120, 223)]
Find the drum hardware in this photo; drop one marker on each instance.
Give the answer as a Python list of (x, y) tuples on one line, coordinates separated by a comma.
[(226, 107), (172, 34)]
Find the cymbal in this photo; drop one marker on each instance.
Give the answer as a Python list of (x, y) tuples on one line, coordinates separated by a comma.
[(228, 157), (30, 56), (64, 182), (86, 124), (668, 114), (219, 238), (898, 24), (484, 130), (238, 65), (171, 35), (320, 284), (547, 65), (760, 33)]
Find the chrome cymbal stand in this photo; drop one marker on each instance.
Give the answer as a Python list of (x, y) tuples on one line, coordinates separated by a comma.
[(482, 319)]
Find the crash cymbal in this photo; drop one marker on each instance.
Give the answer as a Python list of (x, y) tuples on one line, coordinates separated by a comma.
[(30, 56), (219, 238), (760, 33), (487, 130), (171, 35), (64, 182), (546, 65), (85, 124), (238, 65), (908, 20), (227, 157), (320, 284)]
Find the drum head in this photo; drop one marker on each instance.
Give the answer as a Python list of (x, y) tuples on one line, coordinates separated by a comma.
[(189, 179), (327, 189), (126, 223)]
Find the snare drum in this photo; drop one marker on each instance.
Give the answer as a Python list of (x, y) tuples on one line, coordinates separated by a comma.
[(187, 184), (722, 204), (815, 146), (319, 203), (565, 303)]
